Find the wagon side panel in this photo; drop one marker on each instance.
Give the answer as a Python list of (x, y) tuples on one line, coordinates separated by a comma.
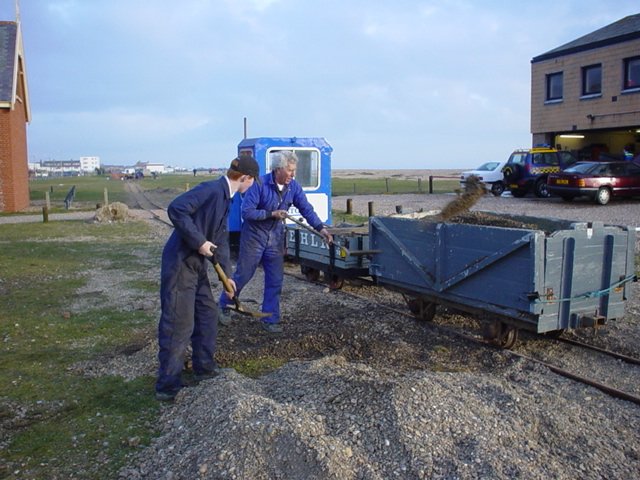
[(488, 268), (586, 274)]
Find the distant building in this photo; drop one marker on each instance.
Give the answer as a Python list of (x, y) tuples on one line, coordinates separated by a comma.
[(59, 168), (149, 168), (89, 164), (585, 95), (14, 116)]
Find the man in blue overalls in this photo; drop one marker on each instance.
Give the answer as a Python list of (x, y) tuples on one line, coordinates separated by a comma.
[(189, 312), (262, 239)]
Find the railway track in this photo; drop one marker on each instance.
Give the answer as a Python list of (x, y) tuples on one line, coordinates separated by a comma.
[(621, 370), (566, 357), (141, 200)]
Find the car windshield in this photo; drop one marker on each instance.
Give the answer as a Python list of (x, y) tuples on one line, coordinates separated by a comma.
[(589, 168), (489, 166)]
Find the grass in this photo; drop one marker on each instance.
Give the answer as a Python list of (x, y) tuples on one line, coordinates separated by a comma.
[(70, 424), (257, 367), (90, 190), (340, 216)]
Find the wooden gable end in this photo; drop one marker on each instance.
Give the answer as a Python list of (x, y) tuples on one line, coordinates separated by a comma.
[(13, 78)]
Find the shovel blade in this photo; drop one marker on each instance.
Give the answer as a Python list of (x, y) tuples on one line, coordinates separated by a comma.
[(250, 313)]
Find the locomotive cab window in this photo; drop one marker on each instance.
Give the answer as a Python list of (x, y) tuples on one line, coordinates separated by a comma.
[(308, 169)]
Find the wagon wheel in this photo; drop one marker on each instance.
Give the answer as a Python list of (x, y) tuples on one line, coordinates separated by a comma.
[(336, 282), (508, 337), (500, 334), (311, 274), (422, 309)]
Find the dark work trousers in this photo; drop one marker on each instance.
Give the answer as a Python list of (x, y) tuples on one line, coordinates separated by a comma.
[(189, 312), (266, 248)]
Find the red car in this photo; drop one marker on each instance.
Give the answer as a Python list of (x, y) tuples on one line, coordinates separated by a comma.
[(598, 180)]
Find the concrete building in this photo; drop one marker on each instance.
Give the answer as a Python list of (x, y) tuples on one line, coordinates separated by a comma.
[(14, 116), (585, 95)]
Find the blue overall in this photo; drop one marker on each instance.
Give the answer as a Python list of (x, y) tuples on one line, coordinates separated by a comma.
[(189, 311), (262, 238)]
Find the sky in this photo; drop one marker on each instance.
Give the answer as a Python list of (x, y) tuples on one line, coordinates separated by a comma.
[(390, 84)]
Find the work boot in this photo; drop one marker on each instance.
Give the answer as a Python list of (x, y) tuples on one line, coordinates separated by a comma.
[(216, 372), (272, 327), (224, 316), (165, 396)]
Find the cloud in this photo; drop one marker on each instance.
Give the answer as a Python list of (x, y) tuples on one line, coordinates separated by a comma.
[(118, 126)]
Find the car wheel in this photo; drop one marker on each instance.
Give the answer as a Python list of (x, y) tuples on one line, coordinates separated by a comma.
[(497, 189), (603, 196), (541, 188), (567, 198)]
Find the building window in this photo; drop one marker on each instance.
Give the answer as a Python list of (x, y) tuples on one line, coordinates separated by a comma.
[(592, 80), (554, 87), (631, 73)]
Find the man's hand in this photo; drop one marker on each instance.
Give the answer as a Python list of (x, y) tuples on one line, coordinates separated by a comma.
[(279, 214), (326, 236), (230, 295), (207, 248)]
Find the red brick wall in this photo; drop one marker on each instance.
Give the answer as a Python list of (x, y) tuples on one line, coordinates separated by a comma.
[(14, 168)]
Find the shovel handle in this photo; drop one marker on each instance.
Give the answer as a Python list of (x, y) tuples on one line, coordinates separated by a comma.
[(304, 225), (221, 275), (228, 288)]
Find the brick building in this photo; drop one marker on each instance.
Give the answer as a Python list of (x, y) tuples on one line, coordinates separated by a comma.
[(585, 95), (14, 116)]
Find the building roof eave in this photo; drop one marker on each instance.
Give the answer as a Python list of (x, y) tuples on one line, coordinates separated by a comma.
[(20, 75), (623, 30), (583, 48)]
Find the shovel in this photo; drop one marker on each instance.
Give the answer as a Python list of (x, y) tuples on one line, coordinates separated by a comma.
[(228, 288), (304, 225), (342, 251)]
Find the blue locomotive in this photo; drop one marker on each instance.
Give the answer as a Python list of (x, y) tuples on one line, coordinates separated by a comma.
[(313, 173)]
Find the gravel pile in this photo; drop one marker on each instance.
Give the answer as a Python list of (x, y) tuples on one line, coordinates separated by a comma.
[(332, 419)]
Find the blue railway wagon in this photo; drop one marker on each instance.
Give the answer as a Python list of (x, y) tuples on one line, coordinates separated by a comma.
[(345, 258), (313, 173), (551, 276)]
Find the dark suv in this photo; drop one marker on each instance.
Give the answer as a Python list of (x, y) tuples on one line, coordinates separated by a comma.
[(526, 170)]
